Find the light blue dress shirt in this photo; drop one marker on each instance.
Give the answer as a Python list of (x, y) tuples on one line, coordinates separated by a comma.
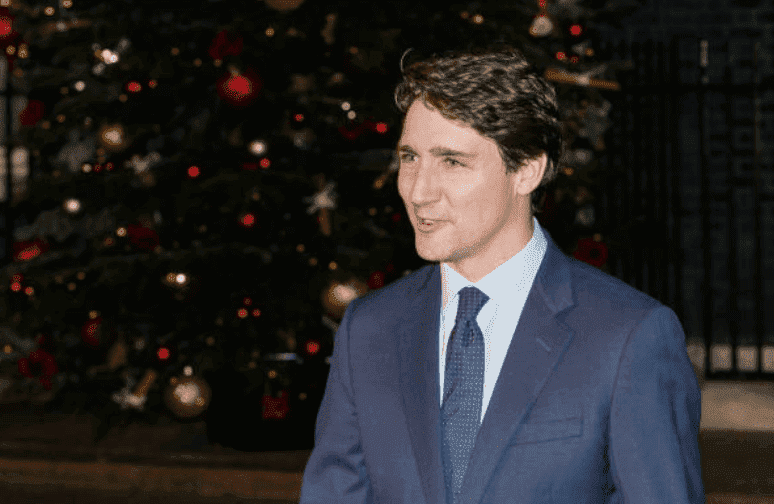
[(507, 287)]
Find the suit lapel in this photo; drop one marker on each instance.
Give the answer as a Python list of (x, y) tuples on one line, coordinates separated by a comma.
[(419, 383), (538, 343)]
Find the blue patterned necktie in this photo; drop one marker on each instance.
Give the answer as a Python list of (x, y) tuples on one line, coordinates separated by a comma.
[(463, 388)]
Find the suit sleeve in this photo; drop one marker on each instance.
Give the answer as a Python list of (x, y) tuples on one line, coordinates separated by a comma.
[(654, 417), (336, 469)]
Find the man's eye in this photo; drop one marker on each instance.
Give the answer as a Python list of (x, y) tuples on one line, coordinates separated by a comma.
[(406, 156), (453, 162)]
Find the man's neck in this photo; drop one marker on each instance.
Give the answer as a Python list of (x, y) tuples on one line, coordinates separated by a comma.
[(476, 271)]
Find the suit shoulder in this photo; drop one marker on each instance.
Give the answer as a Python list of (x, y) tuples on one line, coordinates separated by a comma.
[(395, 293), (596, 283)]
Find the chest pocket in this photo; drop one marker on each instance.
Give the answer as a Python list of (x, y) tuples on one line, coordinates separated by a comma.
[(552, 430)]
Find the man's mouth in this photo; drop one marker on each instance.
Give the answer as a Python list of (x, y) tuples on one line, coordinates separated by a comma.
[(427, 225)]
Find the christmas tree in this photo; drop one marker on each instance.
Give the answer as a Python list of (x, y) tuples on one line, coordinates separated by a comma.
[(196, 194)]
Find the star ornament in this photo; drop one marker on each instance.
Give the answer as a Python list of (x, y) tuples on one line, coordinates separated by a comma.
[(325, 199)]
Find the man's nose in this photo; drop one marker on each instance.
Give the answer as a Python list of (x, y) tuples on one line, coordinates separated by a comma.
[(425, 188)]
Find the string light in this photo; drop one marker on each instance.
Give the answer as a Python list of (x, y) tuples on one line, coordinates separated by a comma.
[(108, 57), (242, 313), (72, 205), (194, 171), (257, 147)]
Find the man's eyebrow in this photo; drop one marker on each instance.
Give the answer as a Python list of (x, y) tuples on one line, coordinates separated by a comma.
[(438, 152)]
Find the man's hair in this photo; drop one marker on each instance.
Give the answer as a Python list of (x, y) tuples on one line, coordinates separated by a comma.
[(498, 93)]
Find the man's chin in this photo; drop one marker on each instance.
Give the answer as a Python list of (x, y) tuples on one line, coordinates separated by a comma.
[(434, 256)]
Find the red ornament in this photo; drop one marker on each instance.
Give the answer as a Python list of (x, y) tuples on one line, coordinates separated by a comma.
[(591, 252), (24, 251), (6, 26), (576, 30), (32, 113), (248, 220), (8, 35), (44, 361), (275, 408), (312, 347), (376, 280), (239, 89), (142, 237), (91, 332), (225, 44), (351, 134)]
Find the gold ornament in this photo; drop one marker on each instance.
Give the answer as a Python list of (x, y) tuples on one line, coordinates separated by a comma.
[(113, 137), (188, 397), (337, 296)]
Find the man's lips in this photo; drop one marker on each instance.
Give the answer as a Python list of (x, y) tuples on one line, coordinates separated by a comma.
[(428, 226)]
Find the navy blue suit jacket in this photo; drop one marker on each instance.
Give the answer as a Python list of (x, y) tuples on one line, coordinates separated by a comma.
[(596, 402)]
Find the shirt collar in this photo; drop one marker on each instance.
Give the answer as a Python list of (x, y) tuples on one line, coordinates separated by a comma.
[(520, 270)]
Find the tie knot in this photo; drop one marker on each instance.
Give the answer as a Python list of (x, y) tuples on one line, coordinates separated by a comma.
[(471, 302)]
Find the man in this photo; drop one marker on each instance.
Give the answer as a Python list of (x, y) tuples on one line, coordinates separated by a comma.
[(505, 371)]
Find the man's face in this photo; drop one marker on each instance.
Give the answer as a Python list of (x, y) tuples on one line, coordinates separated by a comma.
[(453, 175)]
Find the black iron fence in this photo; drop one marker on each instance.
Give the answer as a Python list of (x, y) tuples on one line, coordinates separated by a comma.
[(689, 205)]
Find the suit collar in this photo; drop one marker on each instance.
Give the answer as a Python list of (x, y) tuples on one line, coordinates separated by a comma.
[(537, 344), (520, 270)]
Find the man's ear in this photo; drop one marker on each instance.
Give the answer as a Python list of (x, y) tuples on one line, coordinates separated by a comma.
[(529, 176)]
